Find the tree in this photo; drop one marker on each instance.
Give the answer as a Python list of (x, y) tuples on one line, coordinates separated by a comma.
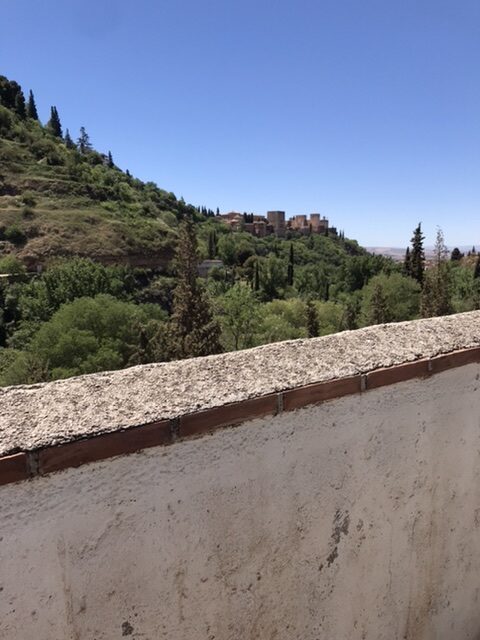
[(69, 143), (407, 263), (437, 287), (290, 266), (84, 336), (476, 272), (110, 162), (193, 330), (417, 255), (378, 312), (212, 244), (54, 124), (227, 249), (9, 92), (256, 277), (456, 255), (20, 108), (239, 316), (313, 328), (32, 107), (272, 277), (349, 316), (83, 143), (401, 293), (66, 281), (281, 320)]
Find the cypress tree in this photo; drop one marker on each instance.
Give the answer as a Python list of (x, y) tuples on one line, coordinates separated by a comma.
[(256, 277), (212, 249), (476, 272), (193, 329), (54, 124), (417, 255), (110, 162), (20, 108), (290, 267), (407, 266), (313, 328), (32, 107), (326, 295), (69, 143)]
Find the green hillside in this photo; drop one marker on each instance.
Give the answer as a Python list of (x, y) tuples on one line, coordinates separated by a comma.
[(60, 198)]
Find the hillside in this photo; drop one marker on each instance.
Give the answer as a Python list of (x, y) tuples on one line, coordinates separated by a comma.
[(60, 198)]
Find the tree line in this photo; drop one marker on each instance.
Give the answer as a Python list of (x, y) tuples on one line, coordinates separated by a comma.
[(80, 317)]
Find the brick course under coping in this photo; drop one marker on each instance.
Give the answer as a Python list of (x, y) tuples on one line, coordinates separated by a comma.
[(175, 399)]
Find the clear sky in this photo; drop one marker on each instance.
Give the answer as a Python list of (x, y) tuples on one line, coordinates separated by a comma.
[(367, 111)]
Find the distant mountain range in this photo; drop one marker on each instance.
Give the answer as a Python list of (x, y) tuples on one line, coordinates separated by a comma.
[(398, 253)]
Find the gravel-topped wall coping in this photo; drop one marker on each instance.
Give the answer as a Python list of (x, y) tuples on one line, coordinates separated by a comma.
[(44, 415)]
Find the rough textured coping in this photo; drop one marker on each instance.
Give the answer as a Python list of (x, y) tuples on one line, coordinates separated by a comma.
[(51, 426)]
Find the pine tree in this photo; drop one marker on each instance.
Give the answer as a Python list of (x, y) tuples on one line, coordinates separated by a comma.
[(69, 143), (417, 255), (290, 267), (54, 124), (378, 312), (32, 107), (313, 328), (193, 330), (110, 162), (83, 143)]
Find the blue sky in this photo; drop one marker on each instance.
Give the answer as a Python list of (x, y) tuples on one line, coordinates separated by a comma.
[(367, 111)]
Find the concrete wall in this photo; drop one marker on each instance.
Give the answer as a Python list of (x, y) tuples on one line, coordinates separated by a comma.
[(356, 518)]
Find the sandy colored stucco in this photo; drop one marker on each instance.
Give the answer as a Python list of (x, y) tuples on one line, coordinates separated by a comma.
[(355, 519), (48, 414)]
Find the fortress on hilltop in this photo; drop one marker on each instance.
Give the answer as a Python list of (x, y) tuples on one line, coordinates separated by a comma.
[(275, 223)]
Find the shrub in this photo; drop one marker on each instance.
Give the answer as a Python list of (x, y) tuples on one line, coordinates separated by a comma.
[(10, 264), (15, 235)]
